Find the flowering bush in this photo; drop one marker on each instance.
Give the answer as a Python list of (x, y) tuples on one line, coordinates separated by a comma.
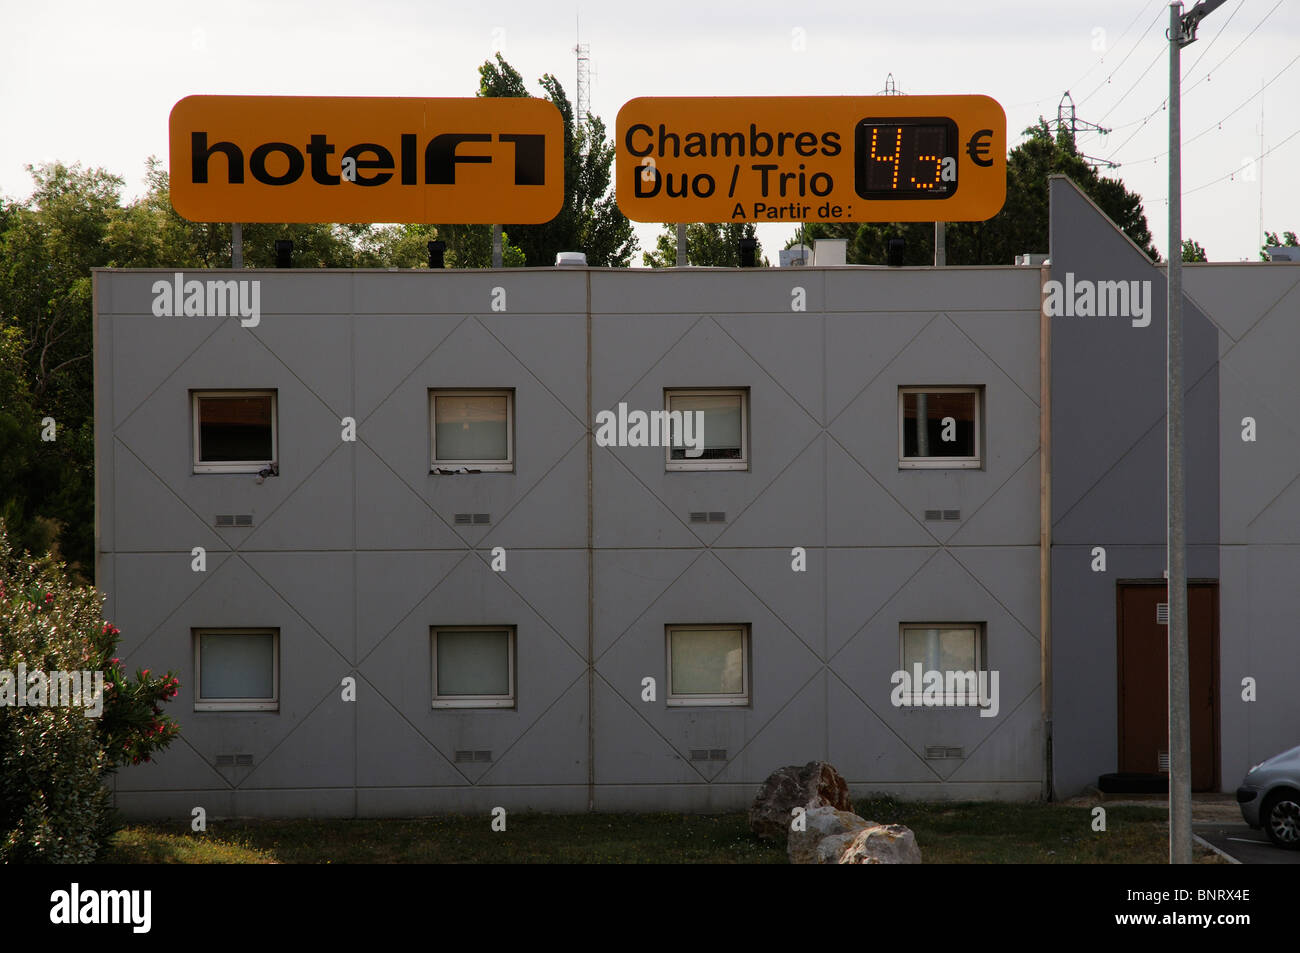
[(54, 758)]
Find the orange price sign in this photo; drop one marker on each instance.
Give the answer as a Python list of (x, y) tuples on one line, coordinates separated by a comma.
[(811, 159)]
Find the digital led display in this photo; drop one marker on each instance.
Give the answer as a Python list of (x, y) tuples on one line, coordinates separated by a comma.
[(906, 158)]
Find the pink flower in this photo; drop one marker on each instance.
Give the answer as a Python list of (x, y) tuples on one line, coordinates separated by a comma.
[(49, 597)]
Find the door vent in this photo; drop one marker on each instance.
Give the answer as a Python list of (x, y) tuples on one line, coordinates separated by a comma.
[(243, 760), (952, 514), (935, 752), (1162, 759), (470, 519), (716, 517), (479, 756), (1162, 613), (226, 520), (234, 760), (699, 517), (933, 515), (225, 761), (708, 754)]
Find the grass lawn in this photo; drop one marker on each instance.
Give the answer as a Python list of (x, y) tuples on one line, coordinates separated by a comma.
[(948, 833)]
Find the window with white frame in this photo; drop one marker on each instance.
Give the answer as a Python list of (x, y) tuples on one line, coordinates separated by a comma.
[(472, 429), (234, 430), (718, 429), (708, 665), (955, 650), (237, 669), (474, 667), (940, 427)]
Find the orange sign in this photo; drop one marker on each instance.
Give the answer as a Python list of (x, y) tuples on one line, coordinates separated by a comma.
[(354, 159), (811, 159)]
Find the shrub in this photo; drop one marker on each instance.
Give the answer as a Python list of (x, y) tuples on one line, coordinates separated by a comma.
[(54, 759)]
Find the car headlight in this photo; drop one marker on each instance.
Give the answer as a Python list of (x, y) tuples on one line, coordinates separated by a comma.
[(1256, 768)]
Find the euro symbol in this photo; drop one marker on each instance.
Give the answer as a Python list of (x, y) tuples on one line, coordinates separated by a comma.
[(978, 148)]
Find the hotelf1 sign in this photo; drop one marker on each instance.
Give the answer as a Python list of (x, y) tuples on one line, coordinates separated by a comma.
[(811, 159), (366, 159)]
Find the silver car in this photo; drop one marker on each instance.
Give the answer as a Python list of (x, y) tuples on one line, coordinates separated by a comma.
[(1269, 797)]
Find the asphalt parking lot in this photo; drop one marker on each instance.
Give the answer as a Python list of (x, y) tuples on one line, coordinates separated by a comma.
[(1243, 844)]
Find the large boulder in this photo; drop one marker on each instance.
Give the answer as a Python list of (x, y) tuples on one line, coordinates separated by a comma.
[(815, 784), (876, 844), (821, 824)]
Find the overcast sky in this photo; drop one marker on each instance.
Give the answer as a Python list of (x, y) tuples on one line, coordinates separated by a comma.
[(93, 83)]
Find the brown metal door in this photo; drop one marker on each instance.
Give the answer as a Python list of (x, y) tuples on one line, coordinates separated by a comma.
[(1144, 680)]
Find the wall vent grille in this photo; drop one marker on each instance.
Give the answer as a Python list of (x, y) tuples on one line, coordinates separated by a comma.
[(936, 752), (234, 760), (1162, 613), (471, 519), (227, 520), (712, 516), (469, 756), (1163, 760), (952, 514), (932, 516), (708, 754)]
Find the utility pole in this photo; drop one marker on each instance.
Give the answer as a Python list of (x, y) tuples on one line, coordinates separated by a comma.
[(1182, 31)]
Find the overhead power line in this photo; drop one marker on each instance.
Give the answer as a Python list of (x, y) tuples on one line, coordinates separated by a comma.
[(1229, 175), (1121, 63), (1218, 125), (1147, 118), (1097, 62)]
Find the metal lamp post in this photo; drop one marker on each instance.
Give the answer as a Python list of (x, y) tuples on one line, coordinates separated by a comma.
[(1182, 31)]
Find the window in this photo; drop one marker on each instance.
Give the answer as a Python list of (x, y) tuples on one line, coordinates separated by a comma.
[(717, 429), (474, 667), (473, 429), (708, 665), (939, 427), (234, 430), (237, 669), (952, 649)]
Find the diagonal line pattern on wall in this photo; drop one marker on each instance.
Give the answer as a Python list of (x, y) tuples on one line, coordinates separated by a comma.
[(586, 425), (883, 367), (559, 697), (420, 363), (753, 734), (884, 604), (884, 489), (416, 605), (649, 606), (992, 360), (759, 364), (887, 726), (1119, 458), (659, 360), (649, 724), (179, 364)]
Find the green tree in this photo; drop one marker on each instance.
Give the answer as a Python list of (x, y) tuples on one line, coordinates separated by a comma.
[(48, 247), (1192, 250), (707, 245), (590, 219), (54, 757), (1272, 239)]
